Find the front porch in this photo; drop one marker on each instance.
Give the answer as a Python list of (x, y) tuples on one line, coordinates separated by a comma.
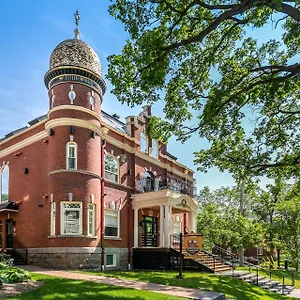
[(153, 217)]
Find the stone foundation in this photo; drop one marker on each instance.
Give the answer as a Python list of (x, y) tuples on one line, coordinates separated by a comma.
[(77, 257)]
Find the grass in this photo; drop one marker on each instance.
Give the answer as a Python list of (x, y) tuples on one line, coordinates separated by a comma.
[(233, 288), (277, 275), (55, 288)]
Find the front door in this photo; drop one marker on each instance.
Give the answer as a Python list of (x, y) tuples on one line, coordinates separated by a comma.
[(9, 233), (149, 232)]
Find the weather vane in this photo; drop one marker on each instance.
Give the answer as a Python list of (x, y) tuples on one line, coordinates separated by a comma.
[(77, 18)]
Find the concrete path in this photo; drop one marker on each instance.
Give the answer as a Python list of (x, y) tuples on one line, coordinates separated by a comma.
[(153, 287)]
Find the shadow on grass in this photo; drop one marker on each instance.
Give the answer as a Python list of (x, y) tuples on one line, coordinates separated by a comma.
[(231, 287), (61, 288)]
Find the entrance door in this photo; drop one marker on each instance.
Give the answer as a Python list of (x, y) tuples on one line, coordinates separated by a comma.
[(9, 233), (149, 232)]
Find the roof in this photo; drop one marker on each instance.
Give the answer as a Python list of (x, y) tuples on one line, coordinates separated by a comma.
[(9, 206), (113, 121)]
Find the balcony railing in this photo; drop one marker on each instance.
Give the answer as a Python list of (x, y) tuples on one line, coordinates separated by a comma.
[(165, 182)]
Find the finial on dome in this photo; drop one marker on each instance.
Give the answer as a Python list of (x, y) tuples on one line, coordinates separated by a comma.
[(77, 18)]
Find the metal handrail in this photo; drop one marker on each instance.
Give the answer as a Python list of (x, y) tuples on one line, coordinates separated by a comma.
[(22, 247), (257, 268)]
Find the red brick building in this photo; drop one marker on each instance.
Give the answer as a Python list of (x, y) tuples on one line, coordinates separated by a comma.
[(80, 188)]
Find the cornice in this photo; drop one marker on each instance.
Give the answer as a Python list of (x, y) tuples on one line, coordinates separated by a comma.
[(85, 172), (37, 137)]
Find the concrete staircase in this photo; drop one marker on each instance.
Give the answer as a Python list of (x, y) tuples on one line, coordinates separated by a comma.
[(263, 282)]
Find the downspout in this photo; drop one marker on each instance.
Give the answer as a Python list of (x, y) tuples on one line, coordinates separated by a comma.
[(102, 174)]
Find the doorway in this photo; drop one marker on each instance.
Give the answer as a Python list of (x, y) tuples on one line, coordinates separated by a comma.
[(149, 231), (9, 241)]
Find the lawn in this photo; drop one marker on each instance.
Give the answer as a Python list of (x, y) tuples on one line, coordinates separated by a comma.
[(61, 288), (233, 288)]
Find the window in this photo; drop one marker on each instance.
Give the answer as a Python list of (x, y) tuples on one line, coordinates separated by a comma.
[(52, 101), (92, 102), (111, 166), (71, 156), (260, 250), (91, 219), (111, 260), (111, 223), (71, 215), (147, 182), (4, 182), (155, 148), (52, 218), (144, 142)]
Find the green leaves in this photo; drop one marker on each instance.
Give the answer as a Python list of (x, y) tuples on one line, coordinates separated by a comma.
[(241, 94)]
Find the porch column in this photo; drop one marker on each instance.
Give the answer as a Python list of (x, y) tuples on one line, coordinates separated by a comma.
[(167, 226), (192, 221), (136, 228), (161, 226)]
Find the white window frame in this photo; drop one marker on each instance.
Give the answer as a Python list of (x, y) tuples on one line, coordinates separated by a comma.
[(155, 145), (52, 218), (62, 211), (114, 255), (112, 212), (4, 171), (260, 251), (91, 208), (118, 167), (68, 146), (143, 136)]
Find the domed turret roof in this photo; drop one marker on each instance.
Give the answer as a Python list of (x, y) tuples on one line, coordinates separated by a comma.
[(74, 52)]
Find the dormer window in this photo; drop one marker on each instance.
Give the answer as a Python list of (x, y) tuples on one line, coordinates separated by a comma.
[(144, 142)]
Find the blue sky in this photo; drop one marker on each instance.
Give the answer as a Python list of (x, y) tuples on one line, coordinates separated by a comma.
[(31, 29)]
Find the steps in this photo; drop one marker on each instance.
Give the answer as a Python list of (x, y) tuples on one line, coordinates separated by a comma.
[(263, 282), (18, 259), (214, 264)]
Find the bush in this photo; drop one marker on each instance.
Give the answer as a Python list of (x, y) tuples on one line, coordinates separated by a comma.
[(13, 274)]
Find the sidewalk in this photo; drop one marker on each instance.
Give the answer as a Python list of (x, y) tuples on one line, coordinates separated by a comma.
[(153, 287)]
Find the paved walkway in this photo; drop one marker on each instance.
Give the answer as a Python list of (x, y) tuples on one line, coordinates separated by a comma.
[(159, 288)]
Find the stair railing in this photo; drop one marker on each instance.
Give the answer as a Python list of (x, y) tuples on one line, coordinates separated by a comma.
[(20, 249), (283, 277)]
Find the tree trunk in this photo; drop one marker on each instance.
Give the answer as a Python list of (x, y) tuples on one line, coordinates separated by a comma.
[(241, 250)]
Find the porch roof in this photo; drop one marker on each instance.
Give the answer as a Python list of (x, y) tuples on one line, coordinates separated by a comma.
[(9, 206), (177, 200)]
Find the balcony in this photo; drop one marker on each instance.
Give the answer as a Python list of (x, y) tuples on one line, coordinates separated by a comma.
[(166, 182)]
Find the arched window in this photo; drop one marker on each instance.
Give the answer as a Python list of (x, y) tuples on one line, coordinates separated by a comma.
[(111, 166), (71, 156), (4, 182), (147, 182), (155, 148), (144, 142)]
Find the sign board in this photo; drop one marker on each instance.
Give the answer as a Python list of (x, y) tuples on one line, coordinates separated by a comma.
[(192, 244)]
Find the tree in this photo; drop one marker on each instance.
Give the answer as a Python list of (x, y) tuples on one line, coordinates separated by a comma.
[(265, 208), (221, 221), (288, 223), (214, 77)]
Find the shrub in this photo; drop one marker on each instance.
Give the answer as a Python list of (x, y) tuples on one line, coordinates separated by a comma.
[(13, 274)]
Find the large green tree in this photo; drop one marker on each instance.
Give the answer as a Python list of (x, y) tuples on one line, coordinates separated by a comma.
[(221, 221), (203, 59)]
